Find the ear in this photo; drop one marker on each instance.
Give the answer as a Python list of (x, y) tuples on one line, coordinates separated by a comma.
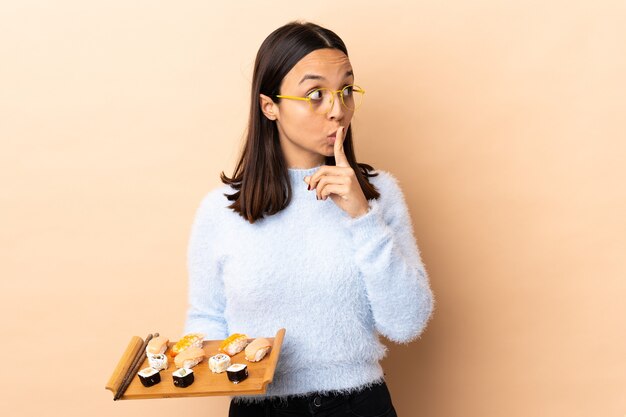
[(268, 107)]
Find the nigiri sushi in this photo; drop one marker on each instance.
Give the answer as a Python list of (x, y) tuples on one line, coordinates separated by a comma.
[(234, 344), (157, 346), (187, 341), (257, 349), (189, 357)]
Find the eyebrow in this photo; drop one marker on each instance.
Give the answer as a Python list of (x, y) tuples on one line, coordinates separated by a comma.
[(319, 77)]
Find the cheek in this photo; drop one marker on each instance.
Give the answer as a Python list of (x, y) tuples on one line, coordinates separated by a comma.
[(293, 115), (300, 124)]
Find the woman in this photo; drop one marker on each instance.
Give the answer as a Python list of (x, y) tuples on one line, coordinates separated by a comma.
[(304, 237)]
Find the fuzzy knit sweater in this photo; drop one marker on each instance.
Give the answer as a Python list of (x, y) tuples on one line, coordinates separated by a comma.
[(335, 283)]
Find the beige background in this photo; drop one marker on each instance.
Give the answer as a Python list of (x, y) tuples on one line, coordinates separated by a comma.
[(503, 122)]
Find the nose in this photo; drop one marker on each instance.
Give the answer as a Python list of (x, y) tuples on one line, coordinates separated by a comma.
[(337, 110)]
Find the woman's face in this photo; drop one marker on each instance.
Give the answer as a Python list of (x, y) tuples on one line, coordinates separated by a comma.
[(306, 136)]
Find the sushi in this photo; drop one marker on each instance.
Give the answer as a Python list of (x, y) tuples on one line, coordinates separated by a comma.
[(234, 344), (149, 377), (219, 363), (157, 346), (189, 357), (158, 362), (237, 372), (257, 349), (190, 340), (183, 377)]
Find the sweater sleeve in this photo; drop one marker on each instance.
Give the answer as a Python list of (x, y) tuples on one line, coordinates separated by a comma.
[(205, 313), (387, 255)]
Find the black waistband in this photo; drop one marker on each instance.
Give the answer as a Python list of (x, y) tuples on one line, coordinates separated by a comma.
[(317, 398)]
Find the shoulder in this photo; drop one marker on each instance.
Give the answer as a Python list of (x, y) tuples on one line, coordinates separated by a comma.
[(392, 201), (388, 186), (215, 201), (216, 196)]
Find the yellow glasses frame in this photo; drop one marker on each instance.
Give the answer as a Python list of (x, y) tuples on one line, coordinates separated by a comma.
[(332, 97)]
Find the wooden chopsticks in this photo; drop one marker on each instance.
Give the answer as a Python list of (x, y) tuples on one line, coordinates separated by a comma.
[(132, 371)]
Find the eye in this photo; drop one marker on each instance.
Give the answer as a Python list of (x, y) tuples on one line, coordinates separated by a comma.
[(348, 90), (315, 95)]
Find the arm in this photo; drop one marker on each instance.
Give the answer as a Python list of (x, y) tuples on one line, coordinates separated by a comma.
[(389, 260), (206, 290)]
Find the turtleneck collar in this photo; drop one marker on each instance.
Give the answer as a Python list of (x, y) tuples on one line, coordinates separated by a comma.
[(298, 174)]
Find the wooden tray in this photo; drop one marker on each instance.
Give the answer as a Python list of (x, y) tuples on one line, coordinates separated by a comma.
[(206, 383)]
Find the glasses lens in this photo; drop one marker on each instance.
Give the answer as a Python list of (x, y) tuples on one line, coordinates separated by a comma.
[(352, 97), (322, 99)]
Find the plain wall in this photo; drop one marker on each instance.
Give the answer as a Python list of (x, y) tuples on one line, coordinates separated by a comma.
[(503, 121)]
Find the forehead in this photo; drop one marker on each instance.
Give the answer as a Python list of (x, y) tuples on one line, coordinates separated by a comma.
[(328, 63)]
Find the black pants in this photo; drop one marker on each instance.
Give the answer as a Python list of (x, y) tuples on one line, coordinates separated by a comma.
[(374, 401)]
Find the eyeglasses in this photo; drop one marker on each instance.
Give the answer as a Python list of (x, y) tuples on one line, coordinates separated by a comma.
[(321, 100)]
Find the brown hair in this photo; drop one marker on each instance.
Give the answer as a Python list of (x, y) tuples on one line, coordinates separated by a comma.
[(261, 176)]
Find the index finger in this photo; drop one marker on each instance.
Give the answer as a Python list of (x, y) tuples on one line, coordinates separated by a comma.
[(340, 157)]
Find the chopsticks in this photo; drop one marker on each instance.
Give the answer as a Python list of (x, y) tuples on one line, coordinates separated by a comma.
[(134, 367)]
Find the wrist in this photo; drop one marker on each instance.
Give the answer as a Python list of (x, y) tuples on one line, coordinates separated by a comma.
[(362, 211)]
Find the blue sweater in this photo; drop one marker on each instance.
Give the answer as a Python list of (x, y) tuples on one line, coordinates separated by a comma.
[(335, 283)]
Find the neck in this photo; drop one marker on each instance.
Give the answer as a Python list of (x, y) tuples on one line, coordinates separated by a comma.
[(305, 163)]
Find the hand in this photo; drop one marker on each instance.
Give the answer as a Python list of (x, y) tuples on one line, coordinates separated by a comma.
[(339, 182)]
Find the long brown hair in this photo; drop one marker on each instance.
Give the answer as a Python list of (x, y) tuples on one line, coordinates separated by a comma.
[(261, 176)]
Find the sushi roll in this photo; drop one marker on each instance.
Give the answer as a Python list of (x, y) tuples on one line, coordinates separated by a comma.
[(190, 340), (219, 363), (158, 362), (157, 346), (183, 377), (237, 372), (189, 357), (234, 344), (257, 349), (149, 377)]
